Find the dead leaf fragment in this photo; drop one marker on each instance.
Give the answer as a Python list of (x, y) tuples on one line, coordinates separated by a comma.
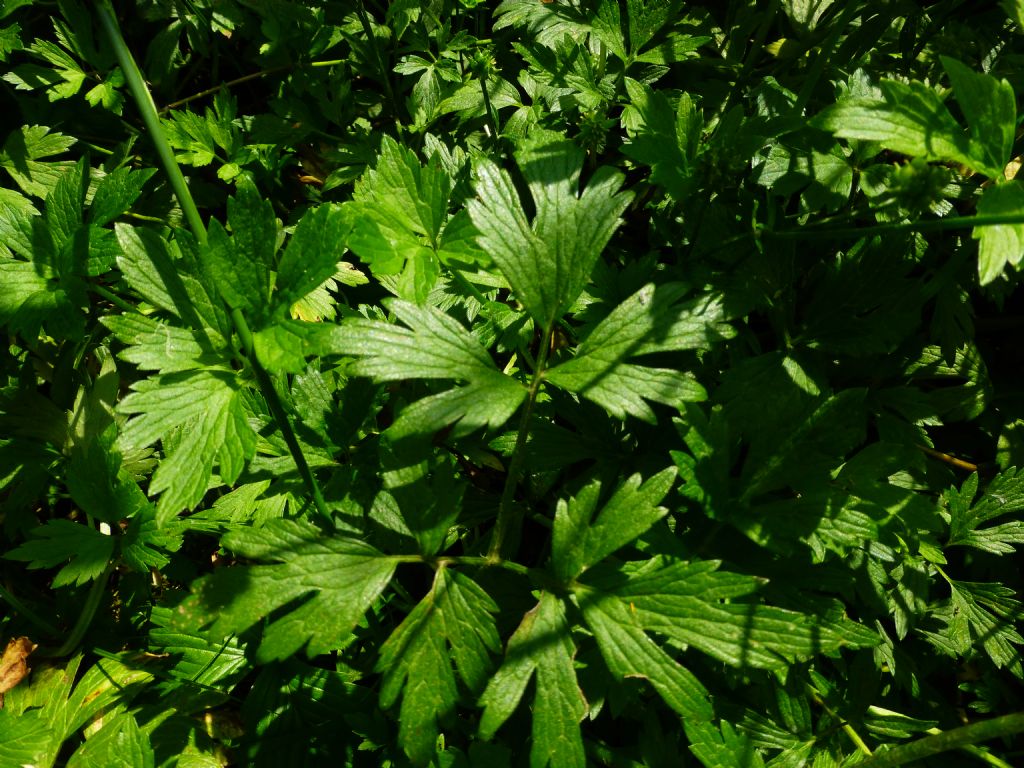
[(13, 664)]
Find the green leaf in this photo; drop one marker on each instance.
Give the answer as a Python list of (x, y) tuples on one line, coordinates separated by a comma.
[(97, 484), (664, 139), (542, 644), (10, 40), (23, 156), (119, 742), (630, 652), (240, 265), (116, 193), (83, 551), (434, 346), (1000, 244), (1003, 495), (398, 211), (818, 170), (313, 253), (988, 615), (337, 578), (106, 94), (547, 262), (169, 276), (198, 656), (579, 540), (157, 346), (146, 263), (451, 624), (834, 427), (64, 702), (64, 210), (911, 119), (488, 402), (1015, 10), (200, 418), (696, 605), (284, 346), (723, 748), (647, 322), (991, 111)]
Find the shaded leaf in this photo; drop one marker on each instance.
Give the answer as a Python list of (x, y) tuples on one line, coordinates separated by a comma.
[(336, 579), (83, 552), (541, 645), (451, 624)]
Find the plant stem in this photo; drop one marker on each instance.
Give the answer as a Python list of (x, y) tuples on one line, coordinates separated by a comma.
[(507, 514), (371, 40), (150, 118), (847, 728), (30, 615), (92, 602), (277, 410), (958, 738), (931, 225), (147, 108), (492, 115), (113, 298), (824, 56), (222, 86), (485, 562)]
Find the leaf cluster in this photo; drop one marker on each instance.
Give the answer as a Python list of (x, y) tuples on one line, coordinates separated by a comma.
[(514, 383)]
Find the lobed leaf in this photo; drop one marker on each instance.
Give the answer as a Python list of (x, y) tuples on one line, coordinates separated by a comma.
[(324, 583), (542, 645), (203, 412), (579, 540), (548, 262), (649, 321), (417, 664)]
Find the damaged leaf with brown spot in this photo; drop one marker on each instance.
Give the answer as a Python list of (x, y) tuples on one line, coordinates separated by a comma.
[(14, 664)]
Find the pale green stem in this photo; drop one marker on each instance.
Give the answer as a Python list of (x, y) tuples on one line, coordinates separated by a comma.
[(848, 729), (150, 118), (957, 738), (113, 298), (484, 562)]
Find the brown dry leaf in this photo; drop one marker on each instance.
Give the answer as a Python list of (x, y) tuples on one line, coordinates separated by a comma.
[(13, 664)]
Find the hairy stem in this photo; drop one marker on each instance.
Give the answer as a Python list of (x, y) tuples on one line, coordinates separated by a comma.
[(222, 86), (246, 78), (508, 515), (958, 738)]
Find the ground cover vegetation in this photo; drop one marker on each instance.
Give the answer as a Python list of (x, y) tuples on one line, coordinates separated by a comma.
[(522, 383)]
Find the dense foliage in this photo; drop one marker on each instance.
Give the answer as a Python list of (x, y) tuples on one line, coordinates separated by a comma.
[(536, 382)]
